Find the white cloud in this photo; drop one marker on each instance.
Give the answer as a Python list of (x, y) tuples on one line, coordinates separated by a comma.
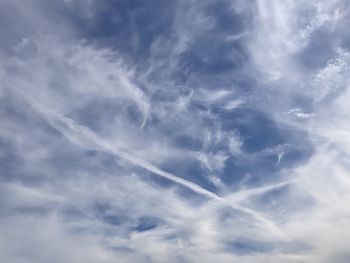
[(86, 135)]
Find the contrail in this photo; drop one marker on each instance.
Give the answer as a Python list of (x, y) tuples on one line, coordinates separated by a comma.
[(85, 137)]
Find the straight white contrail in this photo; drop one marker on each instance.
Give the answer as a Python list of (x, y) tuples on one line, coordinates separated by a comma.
[(85, 137)]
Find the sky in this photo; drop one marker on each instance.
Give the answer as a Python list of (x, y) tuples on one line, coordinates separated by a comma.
[(174, 131)]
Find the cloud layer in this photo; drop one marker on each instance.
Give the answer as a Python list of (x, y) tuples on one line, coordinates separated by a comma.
[(190, 131)]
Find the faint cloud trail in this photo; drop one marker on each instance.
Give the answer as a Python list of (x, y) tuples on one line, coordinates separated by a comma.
[(85, 137)]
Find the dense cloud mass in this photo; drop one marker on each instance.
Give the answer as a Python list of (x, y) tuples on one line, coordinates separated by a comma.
[(174, 131)]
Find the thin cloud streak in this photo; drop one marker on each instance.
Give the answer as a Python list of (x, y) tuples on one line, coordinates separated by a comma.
[(86, 138)]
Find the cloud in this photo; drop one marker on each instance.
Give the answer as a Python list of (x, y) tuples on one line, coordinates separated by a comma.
[(217, 131)]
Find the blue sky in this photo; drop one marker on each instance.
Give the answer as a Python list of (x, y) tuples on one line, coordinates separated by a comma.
[(174, 131)]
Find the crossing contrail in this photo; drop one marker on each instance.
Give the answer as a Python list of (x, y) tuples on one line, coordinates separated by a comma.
[(87, 138)]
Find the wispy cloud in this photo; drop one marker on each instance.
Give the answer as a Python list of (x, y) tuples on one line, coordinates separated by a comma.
[(217, 131)]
